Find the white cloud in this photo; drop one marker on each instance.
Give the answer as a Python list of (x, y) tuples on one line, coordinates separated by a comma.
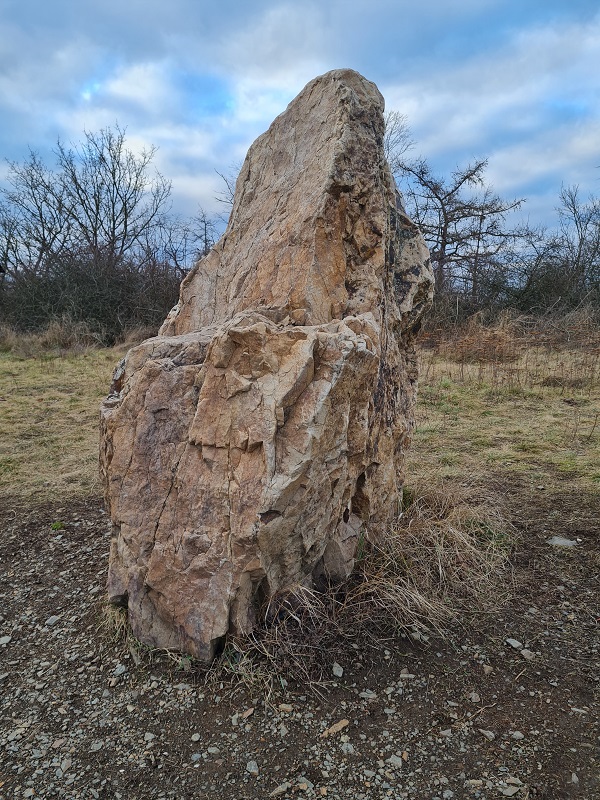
[(146, 85), (566, 155), (513, 105), (202, 80), (279, 48)]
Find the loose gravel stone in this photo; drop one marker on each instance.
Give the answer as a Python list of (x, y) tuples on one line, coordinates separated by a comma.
[(514, 643)]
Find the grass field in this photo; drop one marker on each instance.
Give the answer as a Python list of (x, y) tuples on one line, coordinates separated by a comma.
[(523, 412), (49, 410), (536, 418)]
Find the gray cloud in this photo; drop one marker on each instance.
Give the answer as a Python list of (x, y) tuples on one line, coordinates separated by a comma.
[(516, 82)]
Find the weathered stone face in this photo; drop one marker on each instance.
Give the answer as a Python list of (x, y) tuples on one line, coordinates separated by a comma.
[(248, 446)]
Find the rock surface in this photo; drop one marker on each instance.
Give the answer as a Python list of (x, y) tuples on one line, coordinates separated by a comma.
[(248, 446)]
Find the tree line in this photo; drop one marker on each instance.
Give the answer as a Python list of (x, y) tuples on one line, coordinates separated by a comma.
[(484, 260), (93, 239)]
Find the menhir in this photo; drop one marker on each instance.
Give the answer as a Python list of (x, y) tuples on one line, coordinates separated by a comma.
[(248, 446)]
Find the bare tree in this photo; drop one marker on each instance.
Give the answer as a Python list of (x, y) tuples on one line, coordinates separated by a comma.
[(180, 241), (227, 193), (206, 232), (578, 242), (462, 220), (397, 141), (101, 200), (90, 239), (34, 220), (111, 200)]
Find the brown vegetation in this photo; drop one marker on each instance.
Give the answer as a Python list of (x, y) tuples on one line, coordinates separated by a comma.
[(515, 401)]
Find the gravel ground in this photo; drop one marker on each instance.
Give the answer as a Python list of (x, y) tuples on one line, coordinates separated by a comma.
[(506, 706)]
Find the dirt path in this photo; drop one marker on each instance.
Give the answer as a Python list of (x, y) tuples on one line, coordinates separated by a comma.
[(474, 716)]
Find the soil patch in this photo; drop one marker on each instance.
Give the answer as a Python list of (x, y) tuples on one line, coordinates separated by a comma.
[(505, 706)]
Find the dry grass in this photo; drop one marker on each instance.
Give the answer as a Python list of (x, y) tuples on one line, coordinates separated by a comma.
[(447, 555), (49, 410), (59, 338), (449, 548), (511, 334), (535, 417)]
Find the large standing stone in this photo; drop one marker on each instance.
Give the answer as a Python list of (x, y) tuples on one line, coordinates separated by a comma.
[(248, 446)]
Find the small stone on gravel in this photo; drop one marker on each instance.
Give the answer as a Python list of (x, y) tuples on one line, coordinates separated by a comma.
[(560, 541), (281, 789), (514, 643)]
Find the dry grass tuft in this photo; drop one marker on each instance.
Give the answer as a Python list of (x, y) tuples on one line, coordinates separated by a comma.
[(447, 554), (135, 336), (113, 621), (59, 337), (511, 335), (474, 342)]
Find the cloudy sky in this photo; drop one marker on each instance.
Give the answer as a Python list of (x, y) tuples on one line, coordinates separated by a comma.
[(516, 81)]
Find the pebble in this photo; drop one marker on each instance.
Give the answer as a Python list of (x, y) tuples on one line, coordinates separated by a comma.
[(514, 643), (489, 735), (560, 541), (368, 694), (281, 789), (252, 768), (395, 761), (337, 670), (51, 621), (5, 639)]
